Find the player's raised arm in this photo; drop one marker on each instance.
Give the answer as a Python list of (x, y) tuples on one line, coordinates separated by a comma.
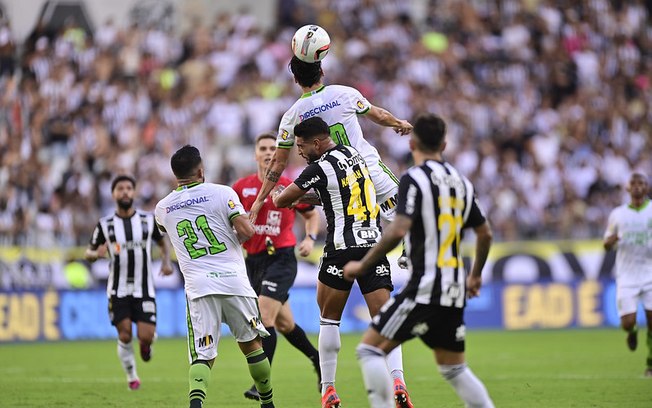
[(385, 118), (276, 167), (287, 196)]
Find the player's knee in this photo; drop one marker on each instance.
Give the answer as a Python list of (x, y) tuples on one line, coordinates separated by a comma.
[(366, 351), (124, 337)]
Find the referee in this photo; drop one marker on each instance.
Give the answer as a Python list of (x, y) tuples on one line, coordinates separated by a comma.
[(127, 236)]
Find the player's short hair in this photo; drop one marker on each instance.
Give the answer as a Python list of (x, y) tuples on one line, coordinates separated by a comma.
[(312, 128), (430, 130), (184, 162), (307, 74), (266, 135), (122, 177)]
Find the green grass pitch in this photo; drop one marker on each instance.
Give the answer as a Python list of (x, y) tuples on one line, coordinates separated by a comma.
[(570, 368)]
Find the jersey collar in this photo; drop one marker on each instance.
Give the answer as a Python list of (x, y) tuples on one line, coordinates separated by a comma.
[(187, 186), (311, 93), (641, 207)]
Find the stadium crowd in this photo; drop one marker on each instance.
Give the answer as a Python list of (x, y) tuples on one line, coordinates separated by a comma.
[(548, 104)]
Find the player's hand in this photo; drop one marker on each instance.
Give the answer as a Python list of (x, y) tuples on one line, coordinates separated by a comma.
[(254, 210), (473, 284), (352, 270), (276, 192), (611, 240), (306, 246), (404, 127), (166, 269)]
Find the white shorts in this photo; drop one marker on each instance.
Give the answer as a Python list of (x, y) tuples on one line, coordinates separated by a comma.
[(207, 313), (386, 185), (627, 298)]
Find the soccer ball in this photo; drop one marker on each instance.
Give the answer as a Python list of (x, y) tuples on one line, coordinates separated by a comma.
[(310, 43)]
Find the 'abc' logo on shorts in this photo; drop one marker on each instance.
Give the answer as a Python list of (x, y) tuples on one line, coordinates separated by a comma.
[(333, 270)]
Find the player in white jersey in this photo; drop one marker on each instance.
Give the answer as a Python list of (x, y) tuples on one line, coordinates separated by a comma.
[(629, 231), (339, 106), (207, 224)]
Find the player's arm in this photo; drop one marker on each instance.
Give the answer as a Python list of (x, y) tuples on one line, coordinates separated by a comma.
[(96, 247), (287, 196), (385, 118), (611, 235), (311, 221), (391, 237), (483, 238), (276, 167), (164, 246), (310, 198), (244, 229)]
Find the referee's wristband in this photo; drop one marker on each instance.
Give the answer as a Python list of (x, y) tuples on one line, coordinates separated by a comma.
[(312, 236)]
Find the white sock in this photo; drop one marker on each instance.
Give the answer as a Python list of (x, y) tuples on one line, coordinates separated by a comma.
[(375, 375), (467, 385), (395, 363), (329, 346), (126, 356)]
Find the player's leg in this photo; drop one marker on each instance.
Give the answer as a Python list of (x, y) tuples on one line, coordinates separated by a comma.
[(331, 303), (376, 286), (144, 314), (627, 303), (204, 316), (120, 315), (386, 184), (297, 337), (242, 316), (444, 332)]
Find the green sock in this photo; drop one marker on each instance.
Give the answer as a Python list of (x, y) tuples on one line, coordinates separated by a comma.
[(260, 371), (198, 377), (649, 348)]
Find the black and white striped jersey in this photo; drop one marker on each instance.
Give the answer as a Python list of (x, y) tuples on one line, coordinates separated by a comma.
[(341, 179), (441, 203), (129, 242)]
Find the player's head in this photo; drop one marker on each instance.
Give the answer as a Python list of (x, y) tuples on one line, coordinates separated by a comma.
[(429, 133), (306, 74), (313, 138), (186, 164), (123, 190), (265, 148), (637, 186)]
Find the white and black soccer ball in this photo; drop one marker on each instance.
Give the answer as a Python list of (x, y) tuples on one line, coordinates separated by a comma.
[(311, 43)]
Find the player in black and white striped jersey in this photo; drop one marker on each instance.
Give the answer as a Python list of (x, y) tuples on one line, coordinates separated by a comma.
[(127, 237), (435, 204), (341, 178)]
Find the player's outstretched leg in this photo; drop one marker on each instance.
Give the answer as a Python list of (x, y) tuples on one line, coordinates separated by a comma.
[(469, 388), (269, 347), (376, 377), (329, 347), (199, 376), (128, 360), (260, 372), (395, 365)]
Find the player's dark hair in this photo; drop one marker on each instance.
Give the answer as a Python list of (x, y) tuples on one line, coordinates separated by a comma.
[(266, 135), (122, 177), (430, 131), (312, 128), (307, 74), (184, 162)]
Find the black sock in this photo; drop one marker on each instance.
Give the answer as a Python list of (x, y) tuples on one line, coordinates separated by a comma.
[(297, 337), (269, 344)]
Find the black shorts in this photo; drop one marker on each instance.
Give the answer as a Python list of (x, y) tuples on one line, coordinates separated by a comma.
[(273, 275), (402, 319), (331, 265), (136, 309)]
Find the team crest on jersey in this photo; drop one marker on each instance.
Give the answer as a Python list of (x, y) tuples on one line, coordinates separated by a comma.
[(231, 204), (285, 134), (360, 104)]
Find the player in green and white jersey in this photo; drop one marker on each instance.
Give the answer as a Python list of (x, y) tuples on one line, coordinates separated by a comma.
[(339, 106), (629, 231), (207, 224)]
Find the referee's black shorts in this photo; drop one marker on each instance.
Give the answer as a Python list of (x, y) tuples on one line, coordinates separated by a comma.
[(272, 275)]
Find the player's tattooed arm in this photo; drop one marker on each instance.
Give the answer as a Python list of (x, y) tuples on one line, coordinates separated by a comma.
[(309, 198), (273, 176)]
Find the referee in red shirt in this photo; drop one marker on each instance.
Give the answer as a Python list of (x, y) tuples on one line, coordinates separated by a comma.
[(271, 262)]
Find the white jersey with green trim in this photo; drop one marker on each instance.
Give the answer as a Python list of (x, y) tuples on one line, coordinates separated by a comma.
[(339, 106), (634, 246), (198, 217)]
